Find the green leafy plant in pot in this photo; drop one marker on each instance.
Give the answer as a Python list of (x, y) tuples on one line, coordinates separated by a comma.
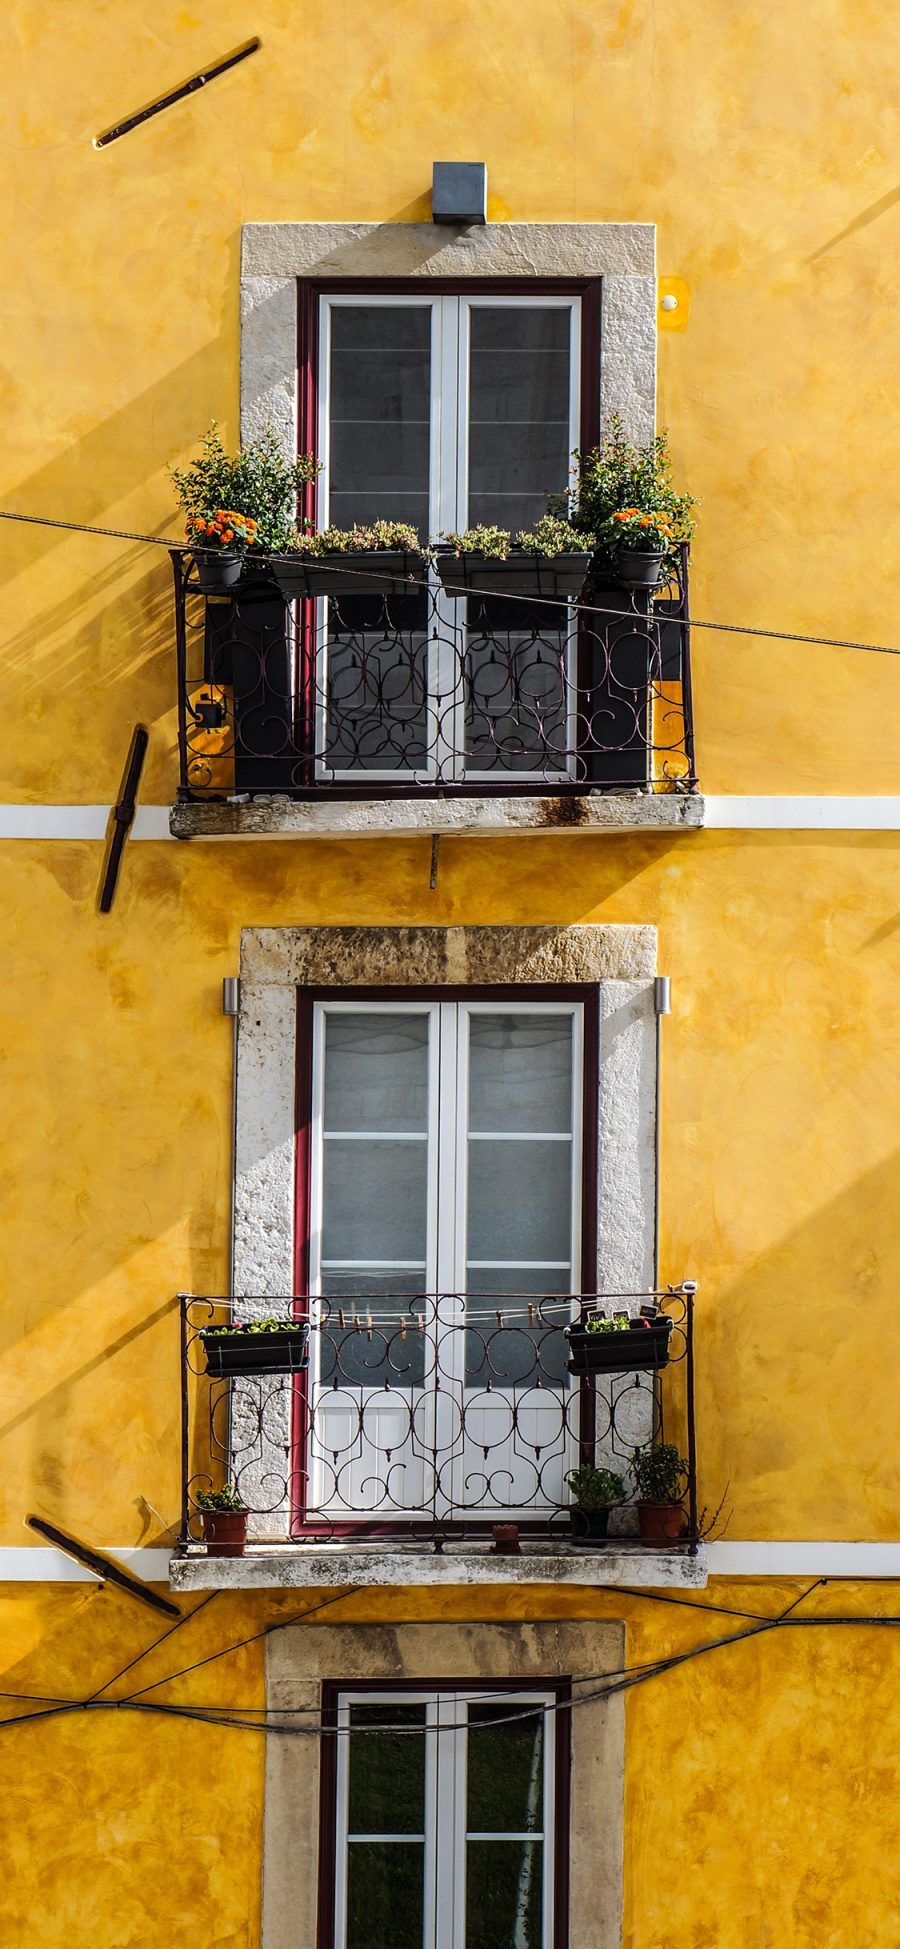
[(660, 1477), (627, 498), (594, 1493), (224, 1519), (239, 507)]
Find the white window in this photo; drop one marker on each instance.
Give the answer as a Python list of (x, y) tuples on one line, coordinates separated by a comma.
[(445, 1241), (445, 412), (444, 1821)]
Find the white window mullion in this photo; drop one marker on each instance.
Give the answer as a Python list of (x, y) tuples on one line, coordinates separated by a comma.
[(449, 1710), (342, 1821), (450, 1340), (435, 1864), (444, 620)]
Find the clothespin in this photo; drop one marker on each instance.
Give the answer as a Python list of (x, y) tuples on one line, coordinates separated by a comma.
[(341, 1319), (369, 1326), (403, 1326), (357, 1323), (530, 1314)]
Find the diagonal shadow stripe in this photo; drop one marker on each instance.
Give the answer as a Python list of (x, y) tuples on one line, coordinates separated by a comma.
[(865, 217)]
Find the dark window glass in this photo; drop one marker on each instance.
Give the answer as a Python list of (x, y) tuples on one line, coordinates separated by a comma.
[(519, 435), (380, 414)]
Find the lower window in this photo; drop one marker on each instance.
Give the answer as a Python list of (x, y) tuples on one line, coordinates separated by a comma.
[(444, 1820)]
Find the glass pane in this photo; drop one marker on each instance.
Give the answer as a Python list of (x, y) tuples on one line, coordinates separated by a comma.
[(504, 1894), (520, 1201), (377, 715), (376, 1199), (395, 1354), (380, 414), (515, 1357), (505, 1769), (519, 434), (520, 1072), (376, 1071), (387, 1769), (518, 696), (385, 1894)]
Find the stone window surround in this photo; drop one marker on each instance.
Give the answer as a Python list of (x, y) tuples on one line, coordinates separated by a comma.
[(620, 961), (275, 255), (300, 1657)]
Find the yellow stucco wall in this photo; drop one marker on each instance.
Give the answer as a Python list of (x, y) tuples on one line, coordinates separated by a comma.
[(762, 151), (742, 1831), (762, 144), (781, 1076)]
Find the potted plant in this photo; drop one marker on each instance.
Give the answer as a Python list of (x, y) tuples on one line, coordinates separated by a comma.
[(224, 1519), (619, 1344), (594, 1493), (619, 486), (219, 538), (267, 1346), (660, 1476), (257, 486), (640, 543), (384, 559), (551, 560)]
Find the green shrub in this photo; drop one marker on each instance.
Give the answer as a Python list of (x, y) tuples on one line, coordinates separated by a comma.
[(593, 1488), (258, 481), (659, 1473)]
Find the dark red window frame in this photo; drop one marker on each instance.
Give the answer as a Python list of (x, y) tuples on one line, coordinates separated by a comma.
[(331, 1692), (309, 291), (588, 996)]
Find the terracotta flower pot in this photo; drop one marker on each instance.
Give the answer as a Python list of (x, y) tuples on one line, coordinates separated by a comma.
[(506, 1539), (660, 1522), (224, 1531)]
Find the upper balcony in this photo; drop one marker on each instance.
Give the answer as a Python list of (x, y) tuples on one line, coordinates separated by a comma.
[(384, 1442), (398, 710)]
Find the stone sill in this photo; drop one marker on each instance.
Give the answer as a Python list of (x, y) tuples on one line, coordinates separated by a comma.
[(487, 817), (268, 1566)]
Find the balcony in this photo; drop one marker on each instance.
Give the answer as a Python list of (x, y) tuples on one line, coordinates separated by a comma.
[(412, 712), (413, 1426)]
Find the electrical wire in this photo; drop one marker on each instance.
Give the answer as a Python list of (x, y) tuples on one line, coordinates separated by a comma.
[(266, 1631), (186, 1619), (421, 582), (617, 1682)]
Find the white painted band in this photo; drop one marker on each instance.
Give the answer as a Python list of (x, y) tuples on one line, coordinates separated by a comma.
[(77, 822), (803, 1559), (820, 812), (40, 1564), (725, 812)]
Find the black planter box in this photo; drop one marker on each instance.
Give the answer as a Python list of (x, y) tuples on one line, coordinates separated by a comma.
[(523, 573), (638, 1349), (371, 572), (284, 1352)]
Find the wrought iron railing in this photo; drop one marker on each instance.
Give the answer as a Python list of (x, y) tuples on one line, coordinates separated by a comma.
[(430, 1419), (387, 696)]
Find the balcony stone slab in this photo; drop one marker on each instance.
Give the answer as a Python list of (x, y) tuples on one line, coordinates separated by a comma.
[(485, 817), (338, 1566)]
